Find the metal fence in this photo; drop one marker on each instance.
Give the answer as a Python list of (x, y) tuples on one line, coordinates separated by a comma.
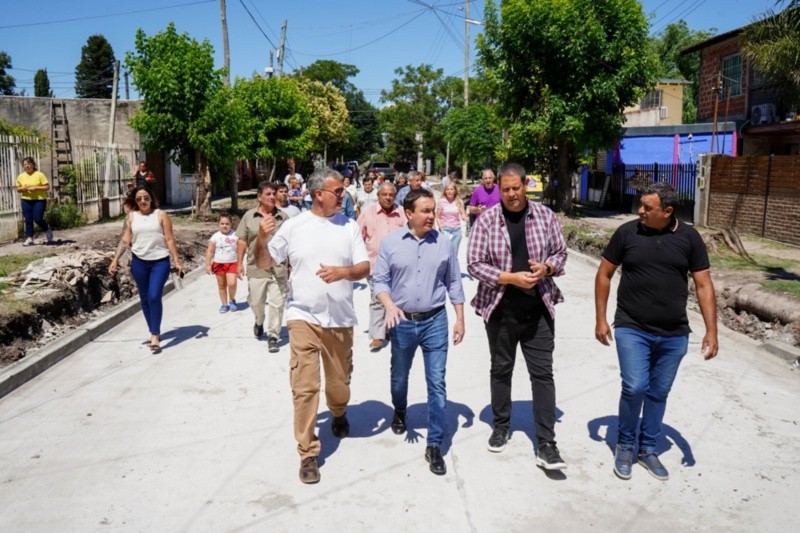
[(12, 151), (628, 179)]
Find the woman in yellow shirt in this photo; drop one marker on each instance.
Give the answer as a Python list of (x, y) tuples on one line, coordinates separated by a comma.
[(33, 187)]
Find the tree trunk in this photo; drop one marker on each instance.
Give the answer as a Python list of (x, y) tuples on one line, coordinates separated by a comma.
[(564, 190), (203, 187), (234, 189)]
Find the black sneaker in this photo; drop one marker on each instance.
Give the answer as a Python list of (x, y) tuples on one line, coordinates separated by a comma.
[(340, 426), (272, 345), (398, 423), (497, 442), (258, 330), (549, 458)]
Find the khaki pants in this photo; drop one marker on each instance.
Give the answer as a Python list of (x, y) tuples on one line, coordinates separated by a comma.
[(308, 343), (272, 290), (377, 315)]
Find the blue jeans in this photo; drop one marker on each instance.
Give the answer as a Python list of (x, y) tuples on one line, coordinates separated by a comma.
[(454, 234), (430, 335), (648, 365), (150, 278), (33, 211)]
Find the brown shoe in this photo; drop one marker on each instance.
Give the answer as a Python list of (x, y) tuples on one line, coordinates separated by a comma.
[(309, 471), (375, 345)]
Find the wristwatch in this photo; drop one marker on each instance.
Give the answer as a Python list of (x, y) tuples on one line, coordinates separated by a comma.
[(550, 270)]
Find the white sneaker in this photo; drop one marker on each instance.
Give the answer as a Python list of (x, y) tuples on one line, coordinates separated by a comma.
[(28, 242), (49, 236)]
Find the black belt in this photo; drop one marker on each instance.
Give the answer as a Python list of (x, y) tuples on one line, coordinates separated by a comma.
[(418, 317)]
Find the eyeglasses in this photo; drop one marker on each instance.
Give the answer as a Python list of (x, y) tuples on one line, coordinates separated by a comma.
[(142, 198), (337, 192)]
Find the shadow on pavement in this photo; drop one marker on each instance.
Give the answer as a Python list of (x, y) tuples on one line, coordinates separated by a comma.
[(521, 420), (178, 335), (669, 437)]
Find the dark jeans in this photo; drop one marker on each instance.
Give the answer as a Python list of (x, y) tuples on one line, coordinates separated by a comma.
[(533, 330), (33, 211), (150, 277)]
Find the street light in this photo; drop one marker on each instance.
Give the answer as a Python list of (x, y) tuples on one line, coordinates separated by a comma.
[(467, 22)]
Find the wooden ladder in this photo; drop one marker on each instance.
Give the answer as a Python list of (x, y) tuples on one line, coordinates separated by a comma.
[(62, 145)]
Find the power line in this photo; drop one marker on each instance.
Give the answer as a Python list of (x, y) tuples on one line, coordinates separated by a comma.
[(257, 25), (43, 23)]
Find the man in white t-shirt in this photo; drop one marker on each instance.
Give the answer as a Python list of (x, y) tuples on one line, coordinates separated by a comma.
[(282, 199), (366, 196), (327, 254)]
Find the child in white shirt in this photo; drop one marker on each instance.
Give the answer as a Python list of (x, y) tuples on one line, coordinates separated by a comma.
[(222, 248)]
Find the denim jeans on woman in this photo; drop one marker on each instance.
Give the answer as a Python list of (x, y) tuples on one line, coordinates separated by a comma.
[(150, 278), (33, 211), (648, 365), (454, 234), (430, 335)]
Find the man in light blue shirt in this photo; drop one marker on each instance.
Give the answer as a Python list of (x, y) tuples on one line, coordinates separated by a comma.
[(415, 272)]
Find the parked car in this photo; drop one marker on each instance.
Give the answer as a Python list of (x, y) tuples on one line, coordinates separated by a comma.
[(384, 168)]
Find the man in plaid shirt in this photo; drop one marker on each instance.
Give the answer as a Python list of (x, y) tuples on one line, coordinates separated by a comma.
[(515, 250)]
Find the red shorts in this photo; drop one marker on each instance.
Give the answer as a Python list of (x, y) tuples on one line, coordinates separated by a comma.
[(223, 268)]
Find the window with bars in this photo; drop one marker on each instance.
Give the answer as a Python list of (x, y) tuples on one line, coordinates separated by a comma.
[(651, 100), (731, 71)]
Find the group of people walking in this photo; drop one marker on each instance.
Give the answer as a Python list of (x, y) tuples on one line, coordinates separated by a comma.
[(303, 265)]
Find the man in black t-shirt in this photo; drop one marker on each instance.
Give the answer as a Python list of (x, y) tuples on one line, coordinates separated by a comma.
[(657, 253)]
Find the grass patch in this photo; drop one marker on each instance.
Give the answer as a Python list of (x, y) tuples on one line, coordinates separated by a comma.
[(16, 262), (763, 263), (597, 237), (791, 288)]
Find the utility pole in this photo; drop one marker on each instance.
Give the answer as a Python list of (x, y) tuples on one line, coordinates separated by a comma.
[(465, 169), (127, 88), (281, 48), (717, 89), (233, 182), (226, 54), (270, 70)]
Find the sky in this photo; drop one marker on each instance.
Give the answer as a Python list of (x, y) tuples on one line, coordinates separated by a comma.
[(377, 36)]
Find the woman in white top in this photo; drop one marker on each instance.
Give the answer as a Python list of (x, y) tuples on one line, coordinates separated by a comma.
[(148, 231)]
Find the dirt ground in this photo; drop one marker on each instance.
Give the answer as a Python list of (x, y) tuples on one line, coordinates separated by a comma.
[(61, 306)]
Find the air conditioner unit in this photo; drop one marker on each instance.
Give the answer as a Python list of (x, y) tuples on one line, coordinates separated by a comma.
[(762, 114), (663, 112)]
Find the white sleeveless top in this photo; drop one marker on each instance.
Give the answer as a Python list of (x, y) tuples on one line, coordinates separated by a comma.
[(148, 237)]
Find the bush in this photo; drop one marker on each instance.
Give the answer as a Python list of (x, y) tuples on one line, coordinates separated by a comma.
[(64, 215)]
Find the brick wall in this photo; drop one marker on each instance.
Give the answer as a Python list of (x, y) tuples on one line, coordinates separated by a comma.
[(709, 70), (743, 188)]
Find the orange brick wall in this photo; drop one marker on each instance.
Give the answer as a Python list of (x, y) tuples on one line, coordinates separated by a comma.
[(709, 69)]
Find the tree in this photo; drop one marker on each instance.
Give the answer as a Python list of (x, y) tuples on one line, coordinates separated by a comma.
[(279, 122), (94, 75), (413, 108), (564, 71), (773, 44), (668, 45), (41, 84), (329, 109), (7, 82), (365, 137), (185, 110), (474, 133)]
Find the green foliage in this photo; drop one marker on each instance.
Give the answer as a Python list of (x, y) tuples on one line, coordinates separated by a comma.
[(40, 140), (326, 70), (69, 182), (279, 120), (64, 215), (94, 75), (413, 107), (7, 82), (668, 46), (474, 132), (41, 84), (773, 44), (566, 69), (329, 110)]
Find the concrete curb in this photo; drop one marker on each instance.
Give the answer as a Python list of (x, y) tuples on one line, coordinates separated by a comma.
[(26, 369), (784, 351)]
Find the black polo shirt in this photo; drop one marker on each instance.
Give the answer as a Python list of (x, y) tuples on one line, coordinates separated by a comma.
[(655, 266)]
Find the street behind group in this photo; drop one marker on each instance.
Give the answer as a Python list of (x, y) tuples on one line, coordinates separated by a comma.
[(307, 241)]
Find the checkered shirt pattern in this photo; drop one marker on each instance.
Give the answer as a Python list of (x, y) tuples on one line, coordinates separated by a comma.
[(489, 254)]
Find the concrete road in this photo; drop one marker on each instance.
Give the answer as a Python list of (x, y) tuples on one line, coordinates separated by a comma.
[(199, 438)]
